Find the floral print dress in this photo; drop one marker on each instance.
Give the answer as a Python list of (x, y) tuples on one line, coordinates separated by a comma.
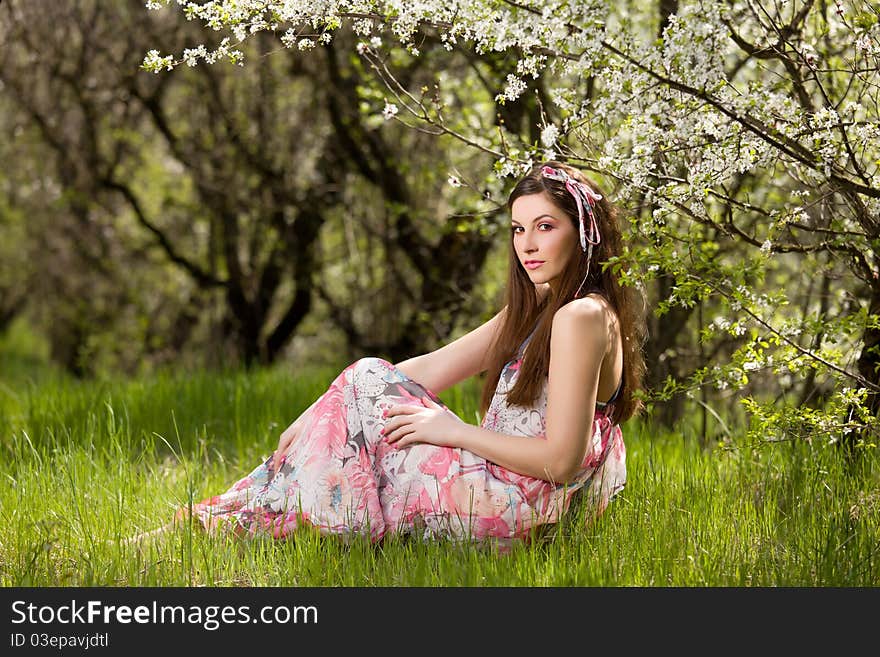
[(341, 476)]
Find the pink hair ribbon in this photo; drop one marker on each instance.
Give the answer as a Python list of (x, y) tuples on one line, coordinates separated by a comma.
[(586, 200)]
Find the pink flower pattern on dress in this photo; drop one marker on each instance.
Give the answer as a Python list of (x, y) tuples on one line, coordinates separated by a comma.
[(343, 478)]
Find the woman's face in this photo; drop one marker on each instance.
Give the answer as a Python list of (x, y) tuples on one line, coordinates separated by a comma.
[(543, 237)]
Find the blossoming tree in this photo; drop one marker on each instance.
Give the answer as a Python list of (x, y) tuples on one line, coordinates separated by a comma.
[(743, 135)]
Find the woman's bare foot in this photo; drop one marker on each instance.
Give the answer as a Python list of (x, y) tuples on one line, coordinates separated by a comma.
[(180, 518), (137, 539)]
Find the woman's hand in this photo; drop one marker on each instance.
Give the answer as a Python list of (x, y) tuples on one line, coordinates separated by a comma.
[(433, 424), (290, 434)]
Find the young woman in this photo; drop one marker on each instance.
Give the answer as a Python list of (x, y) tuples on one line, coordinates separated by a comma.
[(378, 452)]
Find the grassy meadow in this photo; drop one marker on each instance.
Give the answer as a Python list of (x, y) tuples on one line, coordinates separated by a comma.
[(84, 464)]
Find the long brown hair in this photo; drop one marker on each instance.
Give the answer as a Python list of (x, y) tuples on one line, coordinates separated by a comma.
[(524, 312)]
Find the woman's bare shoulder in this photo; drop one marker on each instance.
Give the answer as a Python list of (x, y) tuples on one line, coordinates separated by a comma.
[(591, 317), (591, 305), (590, 312), (579, 327)]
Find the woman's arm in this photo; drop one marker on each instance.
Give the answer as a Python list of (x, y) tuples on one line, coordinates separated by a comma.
[(462, 358), (579, 341), (456, 361)]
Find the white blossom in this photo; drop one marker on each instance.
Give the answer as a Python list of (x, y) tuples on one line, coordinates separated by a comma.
[(390, 111), (811, 58), (507, 168), (826, 117), (363, 27), (549, 135), (513, 89), (866, 45), (155, 62), (289, 38)]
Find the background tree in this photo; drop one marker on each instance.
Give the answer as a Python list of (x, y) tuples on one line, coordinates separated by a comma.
[(201, 209)]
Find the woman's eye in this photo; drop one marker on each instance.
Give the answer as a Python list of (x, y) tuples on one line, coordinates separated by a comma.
[(516, 229)]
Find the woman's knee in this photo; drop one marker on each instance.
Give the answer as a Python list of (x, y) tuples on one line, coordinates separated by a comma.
[(371, 363)]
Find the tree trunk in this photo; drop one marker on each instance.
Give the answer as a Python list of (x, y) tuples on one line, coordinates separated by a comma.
[(663, 338), (869, 369)]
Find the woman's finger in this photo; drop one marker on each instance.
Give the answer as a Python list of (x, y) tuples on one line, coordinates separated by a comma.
[(275, 456), (403, 409), (284, 443), (276, 459), (402, 436), (395, 430), (390, 431)]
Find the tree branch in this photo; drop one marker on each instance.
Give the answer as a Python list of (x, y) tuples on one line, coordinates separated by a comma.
[(202, 277)]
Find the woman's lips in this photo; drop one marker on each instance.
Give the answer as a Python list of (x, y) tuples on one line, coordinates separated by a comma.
[(533, 264)]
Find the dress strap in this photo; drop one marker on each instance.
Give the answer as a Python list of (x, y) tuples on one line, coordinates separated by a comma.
[(613, 397), (525, 342)]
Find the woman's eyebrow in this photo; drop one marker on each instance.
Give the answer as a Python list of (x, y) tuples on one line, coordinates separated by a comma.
[(536, 218)]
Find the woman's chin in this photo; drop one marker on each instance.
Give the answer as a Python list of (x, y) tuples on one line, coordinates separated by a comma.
[(538, 278)]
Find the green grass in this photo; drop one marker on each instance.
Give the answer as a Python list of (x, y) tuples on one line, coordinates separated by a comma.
[(83, 464)]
